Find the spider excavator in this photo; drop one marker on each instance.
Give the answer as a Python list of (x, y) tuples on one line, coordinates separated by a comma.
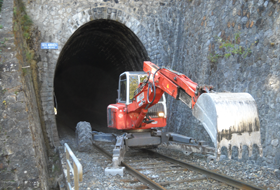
[(230, 119)]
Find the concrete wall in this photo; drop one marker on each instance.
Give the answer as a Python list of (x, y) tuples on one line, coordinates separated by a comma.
[(182, 35)]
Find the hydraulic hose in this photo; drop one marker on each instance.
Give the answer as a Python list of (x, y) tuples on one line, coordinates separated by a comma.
[(154, 88)]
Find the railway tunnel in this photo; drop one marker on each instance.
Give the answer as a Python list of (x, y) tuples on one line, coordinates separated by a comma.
[(87, 71)]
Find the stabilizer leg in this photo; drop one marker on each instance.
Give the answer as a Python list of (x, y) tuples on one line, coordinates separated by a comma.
[(118, 155), (186, 144)]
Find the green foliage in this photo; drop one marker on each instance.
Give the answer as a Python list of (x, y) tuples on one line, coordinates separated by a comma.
[(237, 50), (227, 55), (15, 11), (21, 6), (237, 35), (3, 42), (24, 71), (230, 49), (228, 45), (1, 2), (16, 26), (26, 35), (23, 20), (25, 23), (4, 90), (213, 57), (247, 51), (1, 26), (29, 56)]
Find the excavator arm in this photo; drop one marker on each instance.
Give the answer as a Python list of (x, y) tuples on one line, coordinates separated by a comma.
[(161, 80), (231, 119)]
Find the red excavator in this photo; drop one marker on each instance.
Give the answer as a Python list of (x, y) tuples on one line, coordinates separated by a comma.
[(231, 119)]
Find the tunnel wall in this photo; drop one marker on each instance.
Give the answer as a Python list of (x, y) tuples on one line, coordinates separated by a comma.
[(183, 35)]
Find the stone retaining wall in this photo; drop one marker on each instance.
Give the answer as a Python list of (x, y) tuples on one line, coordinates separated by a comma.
[(252, 24), (23, 154)]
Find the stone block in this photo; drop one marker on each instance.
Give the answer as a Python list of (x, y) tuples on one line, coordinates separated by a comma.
[(274, 142), (7, 176)]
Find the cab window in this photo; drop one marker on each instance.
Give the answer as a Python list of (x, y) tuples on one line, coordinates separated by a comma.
[(123, 83), (133, 84)]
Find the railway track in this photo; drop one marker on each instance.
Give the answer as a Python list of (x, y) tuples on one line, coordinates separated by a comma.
[(157, 171)]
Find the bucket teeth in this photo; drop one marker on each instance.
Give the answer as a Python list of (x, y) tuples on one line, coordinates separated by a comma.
[(231, 120), (240, 151), (250, 150)]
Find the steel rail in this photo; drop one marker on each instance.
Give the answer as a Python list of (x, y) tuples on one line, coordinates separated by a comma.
[(132, 171), (222, 178)]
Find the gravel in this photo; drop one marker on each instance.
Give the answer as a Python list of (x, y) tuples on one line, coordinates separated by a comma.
[(257, 175), (94, 164)]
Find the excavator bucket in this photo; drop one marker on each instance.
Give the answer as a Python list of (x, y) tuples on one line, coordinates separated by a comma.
[(231, 119)]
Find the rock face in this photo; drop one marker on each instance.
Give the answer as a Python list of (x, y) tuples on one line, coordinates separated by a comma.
[(232, 45), (23, 154), (254, 25)]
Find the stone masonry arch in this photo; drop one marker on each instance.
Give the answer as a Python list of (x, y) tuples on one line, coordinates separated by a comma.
[(156, 24), (87, 71), (78, 21)]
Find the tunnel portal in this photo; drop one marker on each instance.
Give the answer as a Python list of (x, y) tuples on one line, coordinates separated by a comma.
[(87, 71)]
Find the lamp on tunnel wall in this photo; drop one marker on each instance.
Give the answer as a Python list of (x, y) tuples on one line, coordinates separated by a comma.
[(55, 104)]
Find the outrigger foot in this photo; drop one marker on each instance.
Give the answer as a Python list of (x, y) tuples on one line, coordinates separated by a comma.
[(114, 171)]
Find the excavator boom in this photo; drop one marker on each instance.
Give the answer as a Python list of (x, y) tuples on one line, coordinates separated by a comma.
[(231, 119)]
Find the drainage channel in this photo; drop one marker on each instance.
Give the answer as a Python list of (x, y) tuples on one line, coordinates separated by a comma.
[(173, 169)]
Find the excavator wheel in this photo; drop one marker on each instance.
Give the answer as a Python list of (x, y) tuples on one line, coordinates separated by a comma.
[(84, 136)]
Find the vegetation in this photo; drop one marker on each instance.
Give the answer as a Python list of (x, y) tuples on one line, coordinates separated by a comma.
[(23, 20), (4, 90), (24, 71), (15, 11), (23, 28), (29, 56), (229, 48), (3, 42), (1, 2), (213, 57)]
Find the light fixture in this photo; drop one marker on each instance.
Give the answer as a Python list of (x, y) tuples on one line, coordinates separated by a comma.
[(161, 114)]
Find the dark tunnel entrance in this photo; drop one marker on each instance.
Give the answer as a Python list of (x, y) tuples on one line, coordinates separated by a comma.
[(86, 75)]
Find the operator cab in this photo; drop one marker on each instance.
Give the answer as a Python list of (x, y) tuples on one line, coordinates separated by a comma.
[(128, 83)]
